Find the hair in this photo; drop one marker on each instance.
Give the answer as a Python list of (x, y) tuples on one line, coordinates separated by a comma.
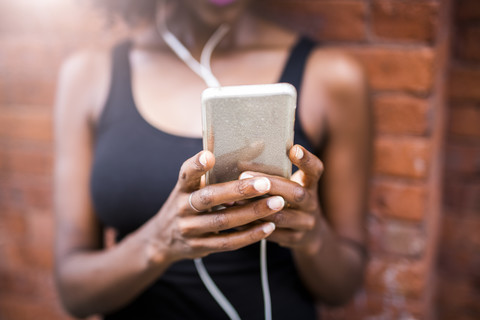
[(131, 11)]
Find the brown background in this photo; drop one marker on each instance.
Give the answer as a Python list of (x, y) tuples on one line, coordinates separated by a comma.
[(422, 58)]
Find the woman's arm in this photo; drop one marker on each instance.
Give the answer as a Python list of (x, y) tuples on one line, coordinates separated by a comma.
[(327, 239), (89, 278), (336, 270)]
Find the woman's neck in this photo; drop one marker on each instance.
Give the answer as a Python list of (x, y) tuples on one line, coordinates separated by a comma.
[(247, 31), (194, 33)]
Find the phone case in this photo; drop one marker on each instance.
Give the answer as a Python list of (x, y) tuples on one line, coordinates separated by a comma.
[(248, 128)]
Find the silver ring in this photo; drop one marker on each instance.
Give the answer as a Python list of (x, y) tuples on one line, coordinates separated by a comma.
[(191, 204)]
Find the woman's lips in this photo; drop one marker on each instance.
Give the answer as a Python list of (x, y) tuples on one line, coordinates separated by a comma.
[(222, 2)]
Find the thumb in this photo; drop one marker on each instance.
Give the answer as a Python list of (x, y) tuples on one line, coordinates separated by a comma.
[(193, 169)]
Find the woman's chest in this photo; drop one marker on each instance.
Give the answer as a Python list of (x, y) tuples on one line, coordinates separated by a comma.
[(168, 94), (135, 168)]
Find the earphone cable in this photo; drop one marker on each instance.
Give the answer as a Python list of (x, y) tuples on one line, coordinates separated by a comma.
[(203, 70)]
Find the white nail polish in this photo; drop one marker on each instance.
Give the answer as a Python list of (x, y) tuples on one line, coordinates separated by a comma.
[(262, 185), (299, 153), (203, 159), (268, 228), (245, 176), (276, 203)]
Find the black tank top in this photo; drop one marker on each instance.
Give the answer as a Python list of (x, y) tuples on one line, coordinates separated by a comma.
[(136, 166)]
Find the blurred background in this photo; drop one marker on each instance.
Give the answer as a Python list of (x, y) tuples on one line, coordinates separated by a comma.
[(422, 58)]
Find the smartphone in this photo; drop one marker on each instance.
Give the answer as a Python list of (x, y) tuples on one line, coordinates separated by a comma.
[(248, 128)]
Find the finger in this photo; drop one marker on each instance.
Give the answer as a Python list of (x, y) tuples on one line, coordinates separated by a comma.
[(308, 163), (292, 219), (298, 177), (293, 193), (286, 237), (246, 153), (231, 217), (233, 240), (259, 167), (193, 169), (228, 163), (227, 192)]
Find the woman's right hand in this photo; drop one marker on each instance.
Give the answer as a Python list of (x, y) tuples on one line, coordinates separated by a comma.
[(186, 228)]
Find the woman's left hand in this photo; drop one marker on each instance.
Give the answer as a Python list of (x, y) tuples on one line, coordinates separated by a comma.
[(299, 224)]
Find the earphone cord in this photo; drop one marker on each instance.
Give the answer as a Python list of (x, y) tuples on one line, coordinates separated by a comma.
[(203, 70)]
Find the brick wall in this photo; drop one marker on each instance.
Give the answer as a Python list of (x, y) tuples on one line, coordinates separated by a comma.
[(35, 36), (459, 255), (403, 45)]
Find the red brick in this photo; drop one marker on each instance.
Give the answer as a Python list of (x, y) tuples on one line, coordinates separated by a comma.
[(399, 200), (49, 19), (12, 228), (22, 57), (460, 246), (460, 196), (454, 192), (472, 198), (33, 124), (40, 228), (23, 308), (394, 19), (371, 305), (408, 157), (396, 238), (26, 282), (27, 160), (401, 114), (28, 90), (322, 20), (465, 120), (36, 248), (398, 69), (404, 278), (463, 159), (28, 255), (465, 83), (24, 80), (22, 192), (468, 45), (467, 10), (457, 298)]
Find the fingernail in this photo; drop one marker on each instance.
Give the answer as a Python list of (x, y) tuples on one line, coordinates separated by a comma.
[(276, 203), (262, 184), (268, 228), (245, 176), (203, 159), (298, 153)]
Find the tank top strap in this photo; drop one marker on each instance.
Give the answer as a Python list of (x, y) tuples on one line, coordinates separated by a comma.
[(295, 66), (120, 102), (293, 74)]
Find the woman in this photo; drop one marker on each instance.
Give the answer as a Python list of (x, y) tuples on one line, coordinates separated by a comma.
[(128, 156)]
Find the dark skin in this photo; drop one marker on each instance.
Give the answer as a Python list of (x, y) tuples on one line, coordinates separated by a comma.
[(93, 279)]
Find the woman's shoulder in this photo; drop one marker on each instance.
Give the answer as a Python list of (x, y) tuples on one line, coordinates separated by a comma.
[(334, 83), (336, 69), (340, 75), (84, 80)]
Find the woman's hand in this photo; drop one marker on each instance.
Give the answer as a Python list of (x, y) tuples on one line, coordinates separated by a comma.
[(185, 228), (298, 225)]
